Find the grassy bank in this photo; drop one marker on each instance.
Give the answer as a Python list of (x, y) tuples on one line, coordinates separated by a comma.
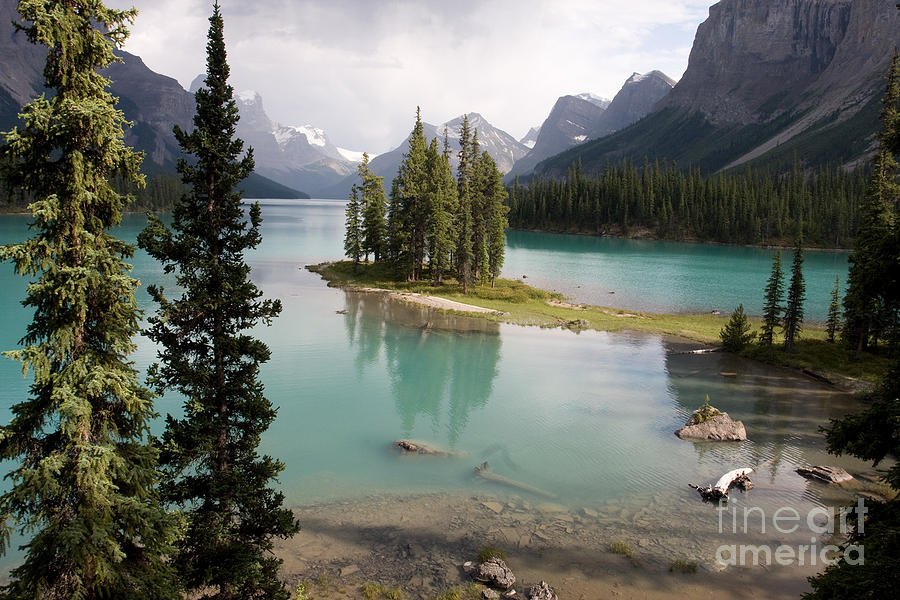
[(521, 304)]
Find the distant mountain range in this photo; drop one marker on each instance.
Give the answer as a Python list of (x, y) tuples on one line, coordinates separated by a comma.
[(154, 102), (576, 119), (766, 81)]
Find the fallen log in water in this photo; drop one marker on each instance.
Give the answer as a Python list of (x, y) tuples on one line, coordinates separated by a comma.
[(415, 447), (719, 491), (484, 471)]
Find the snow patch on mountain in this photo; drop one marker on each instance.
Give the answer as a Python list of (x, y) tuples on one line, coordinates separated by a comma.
[(353, 155)]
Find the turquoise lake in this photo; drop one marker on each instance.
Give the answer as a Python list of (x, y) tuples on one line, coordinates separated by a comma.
[(589, 417)]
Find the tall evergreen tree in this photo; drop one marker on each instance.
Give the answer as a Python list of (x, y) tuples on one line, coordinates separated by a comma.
[(84, 478), (872, 285), (464, 253), (833, 323), (353, 241), (409, 209), (374, 209), (494, 211), (206, 354), (796, 294), (441, 195), (772, 308)]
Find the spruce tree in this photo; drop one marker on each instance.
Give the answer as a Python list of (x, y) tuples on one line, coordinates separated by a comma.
[(494, 214), (872, 282), (793, 313), (834, 311), (409, 211), (82, 483), (207, 355), (736, 334), (441, 195), (353, 243), (464, 252), (374, 209), (772, 308)]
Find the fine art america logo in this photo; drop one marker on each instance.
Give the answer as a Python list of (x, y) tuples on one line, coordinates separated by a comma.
[(786, 520)]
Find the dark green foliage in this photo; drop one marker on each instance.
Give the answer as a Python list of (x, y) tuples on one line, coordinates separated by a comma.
[(872, 301), (409, 206), (82, 475), (353, 246), (833, 324), (442, 201), (210, 455), (746, 207), (736, 334), (873, 434), (793, 313), (374, 210), (772, 308), (465, 252)]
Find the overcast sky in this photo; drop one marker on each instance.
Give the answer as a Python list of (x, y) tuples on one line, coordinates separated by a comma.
[(359, 68)]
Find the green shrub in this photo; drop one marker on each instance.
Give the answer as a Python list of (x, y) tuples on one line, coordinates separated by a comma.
[(736, 334)]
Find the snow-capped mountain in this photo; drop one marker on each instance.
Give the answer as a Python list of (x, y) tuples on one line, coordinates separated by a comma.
[(531, 137), (594, 99), (502, 147), (299, 156)]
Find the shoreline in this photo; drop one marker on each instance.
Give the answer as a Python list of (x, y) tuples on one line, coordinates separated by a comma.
[(516, 303), (416, 544)]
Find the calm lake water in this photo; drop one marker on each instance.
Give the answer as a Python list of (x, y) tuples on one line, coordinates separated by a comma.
[(589, 417)]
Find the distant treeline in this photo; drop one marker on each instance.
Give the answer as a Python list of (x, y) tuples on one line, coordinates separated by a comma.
[(746, 207)]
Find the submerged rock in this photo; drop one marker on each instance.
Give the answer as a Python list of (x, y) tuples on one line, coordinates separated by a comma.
[(825, 473), (719, 427), (542, 591), (495, 573)]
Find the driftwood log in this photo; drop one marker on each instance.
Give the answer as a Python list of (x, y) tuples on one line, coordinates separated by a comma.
[(738, 478), (415, 447), (825, 473), (484, 471)]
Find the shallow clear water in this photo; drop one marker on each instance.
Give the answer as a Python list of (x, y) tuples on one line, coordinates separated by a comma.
[(588, 417)]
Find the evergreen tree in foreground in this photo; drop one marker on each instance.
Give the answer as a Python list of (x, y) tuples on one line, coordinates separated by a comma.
[(872, 284), (207, 356), (772, 308), (84, 480), (793, 312)]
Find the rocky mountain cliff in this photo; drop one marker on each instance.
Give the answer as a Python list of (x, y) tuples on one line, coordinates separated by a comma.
[(636, 99), (767, 79), (503, 148), (153, 102), (576, 119)]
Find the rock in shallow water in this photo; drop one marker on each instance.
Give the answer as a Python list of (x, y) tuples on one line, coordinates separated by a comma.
[(495, 573), (825, 473), (721, 427), (542, 591)]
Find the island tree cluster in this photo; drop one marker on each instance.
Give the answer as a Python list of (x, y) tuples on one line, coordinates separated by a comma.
[(435, 225)]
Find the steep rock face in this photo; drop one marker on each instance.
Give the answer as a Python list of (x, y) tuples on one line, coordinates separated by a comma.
[(155, 103), (572, 121), (635, 100), (767, 79), (531, 137)]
